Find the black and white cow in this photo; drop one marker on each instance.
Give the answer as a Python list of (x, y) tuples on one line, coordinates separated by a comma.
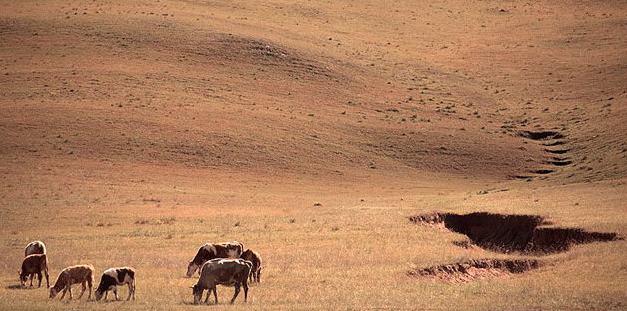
[(222, 271), (214, 250), (114, 277)]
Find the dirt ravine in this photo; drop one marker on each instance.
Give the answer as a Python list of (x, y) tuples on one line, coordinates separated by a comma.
[(513, 233), (475, 270)]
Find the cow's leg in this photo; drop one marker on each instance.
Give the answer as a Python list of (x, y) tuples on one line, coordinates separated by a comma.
[(245, 284), (237, 289), (90, 286), (215, 293), (64, 291), (259, 275), (133, 289), (208, 295), (39, 277), (115, 293), (47, 278), (84, 286), (130, 291), (69, 289), (31, 279), (106, 294)]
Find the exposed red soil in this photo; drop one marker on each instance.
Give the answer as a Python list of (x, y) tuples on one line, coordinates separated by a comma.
[(475, 270)]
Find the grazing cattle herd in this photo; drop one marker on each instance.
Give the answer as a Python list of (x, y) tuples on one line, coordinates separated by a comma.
[(226, 263)]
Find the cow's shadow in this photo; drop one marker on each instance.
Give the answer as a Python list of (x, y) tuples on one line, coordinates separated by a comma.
[(19, 286), (191, 303)]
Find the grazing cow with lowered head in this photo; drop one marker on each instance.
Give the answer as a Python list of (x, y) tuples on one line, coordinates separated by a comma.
[(214, 250), (222, 271), (83, 274), (35, 247), (32, 265), (114, 277), (255, 258)]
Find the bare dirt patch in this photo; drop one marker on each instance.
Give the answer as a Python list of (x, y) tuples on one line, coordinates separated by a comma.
[(513, 233), (474, 270), (557, 151), (555, 143)]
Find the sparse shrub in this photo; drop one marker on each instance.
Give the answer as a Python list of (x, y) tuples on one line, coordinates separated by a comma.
[(166, 220)]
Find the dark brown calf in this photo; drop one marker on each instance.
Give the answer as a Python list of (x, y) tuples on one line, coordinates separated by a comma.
[(34, 265)]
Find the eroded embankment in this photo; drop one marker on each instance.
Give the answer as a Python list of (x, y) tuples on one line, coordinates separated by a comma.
[(475, 270), (513, 233)]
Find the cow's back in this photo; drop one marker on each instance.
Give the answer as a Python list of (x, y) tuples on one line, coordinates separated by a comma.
[(223, 272), (34, 247)]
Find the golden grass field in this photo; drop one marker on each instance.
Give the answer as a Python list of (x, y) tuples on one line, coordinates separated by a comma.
[(132, 132)]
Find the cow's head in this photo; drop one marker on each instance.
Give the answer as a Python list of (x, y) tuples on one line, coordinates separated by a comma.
[(23, 277), (197, 292), (53, 292), (98, 294), (191, 268)]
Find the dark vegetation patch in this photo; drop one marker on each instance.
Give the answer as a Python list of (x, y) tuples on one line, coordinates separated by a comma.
[(474, 270), (513, 233), (543, 135)]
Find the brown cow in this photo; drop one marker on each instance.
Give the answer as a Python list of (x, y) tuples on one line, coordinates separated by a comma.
[(214, 250), (83, 274), (221, 271), (255, 258)]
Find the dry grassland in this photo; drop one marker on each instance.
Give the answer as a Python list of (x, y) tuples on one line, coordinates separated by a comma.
[(132, 132)]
